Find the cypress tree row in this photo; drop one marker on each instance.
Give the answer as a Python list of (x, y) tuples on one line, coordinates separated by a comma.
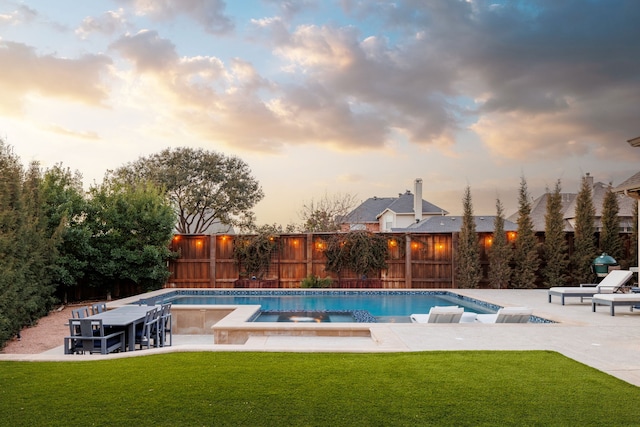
[(25, 251), (556, 254), (526, 254), (584, 236), (500, 254), (468, 269)]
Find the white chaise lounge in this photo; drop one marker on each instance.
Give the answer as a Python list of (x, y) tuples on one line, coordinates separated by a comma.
[(446, 314), (610, 284), (507, 315), (613, 300)]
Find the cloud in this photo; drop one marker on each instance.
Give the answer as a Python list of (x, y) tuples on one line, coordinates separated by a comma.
[(109, 23), (208, 13), (22, 14), (548, 78), (24, 72), (73, 133), (147, 51)]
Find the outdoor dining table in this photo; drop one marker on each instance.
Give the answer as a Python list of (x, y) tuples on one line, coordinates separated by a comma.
[(128, 317)]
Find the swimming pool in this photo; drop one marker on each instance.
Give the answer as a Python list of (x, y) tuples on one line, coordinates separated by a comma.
[(368, 306)]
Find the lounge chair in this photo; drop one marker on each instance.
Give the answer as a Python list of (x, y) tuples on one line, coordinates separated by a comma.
[(614, 281), (447, 314), (613, 300), (507, 315)]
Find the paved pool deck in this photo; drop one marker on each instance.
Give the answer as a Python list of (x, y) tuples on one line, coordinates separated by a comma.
[(608, 343)]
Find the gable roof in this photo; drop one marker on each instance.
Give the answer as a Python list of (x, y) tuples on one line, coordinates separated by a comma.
[(403, 205), (630, 184), (372, 208), (368, 210), (453, 224)]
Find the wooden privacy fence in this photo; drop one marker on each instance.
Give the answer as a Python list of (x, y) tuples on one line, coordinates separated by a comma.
[(414, 260)]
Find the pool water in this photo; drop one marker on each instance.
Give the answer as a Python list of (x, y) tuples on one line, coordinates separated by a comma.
[(384, 307)]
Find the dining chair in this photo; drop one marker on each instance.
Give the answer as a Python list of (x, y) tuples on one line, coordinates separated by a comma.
[(80, 313), (165, 324), (88, 335), (99, 307), (149, 330), (72, 344)]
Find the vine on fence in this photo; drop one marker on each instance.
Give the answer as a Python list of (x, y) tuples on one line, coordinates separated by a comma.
[(362, 252), (253, 254)]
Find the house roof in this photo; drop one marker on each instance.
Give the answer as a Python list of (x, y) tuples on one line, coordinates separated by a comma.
[(630, 184), (403, 205), (539, 211), (368, 210), (371, 209), (539, 208), (453, 224)]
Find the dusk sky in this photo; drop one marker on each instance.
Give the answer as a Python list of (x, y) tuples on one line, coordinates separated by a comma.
[(331, 97)]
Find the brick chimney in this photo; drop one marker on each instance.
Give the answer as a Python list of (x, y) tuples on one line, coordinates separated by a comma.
[(417, 199)]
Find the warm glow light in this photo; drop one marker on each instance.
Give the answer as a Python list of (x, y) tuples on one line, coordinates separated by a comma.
[(224, 238), (414, 245), (393, 243), (320, 245), (295, 242), (489, 240), (440, 246), (198, 242)]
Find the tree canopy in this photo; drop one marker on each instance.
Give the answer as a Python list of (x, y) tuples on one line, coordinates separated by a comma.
[(202, 186)]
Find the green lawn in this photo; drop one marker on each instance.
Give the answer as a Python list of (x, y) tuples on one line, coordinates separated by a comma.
[(309, 389)]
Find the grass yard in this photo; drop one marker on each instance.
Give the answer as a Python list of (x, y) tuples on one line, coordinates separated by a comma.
[(471, 388)]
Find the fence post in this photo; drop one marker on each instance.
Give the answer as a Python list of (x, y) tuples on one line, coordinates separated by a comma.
[(408, 277), (213, 243)]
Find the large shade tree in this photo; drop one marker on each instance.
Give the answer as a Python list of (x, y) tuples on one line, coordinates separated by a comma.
[(203, 186), (65, 207)]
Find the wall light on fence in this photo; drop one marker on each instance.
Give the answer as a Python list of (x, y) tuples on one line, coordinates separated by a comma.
[(489, 241), (414, 245), (320, 245), (440, 246), (198, 243), (393, 243)]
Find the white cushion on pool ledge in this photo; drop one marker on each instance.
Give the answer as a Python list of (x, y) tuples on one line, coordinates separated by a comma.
[(438, 314), (507, 315)]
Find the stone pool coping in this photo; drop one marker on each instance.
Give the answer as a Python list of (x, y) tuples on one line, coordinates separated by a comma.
[(232, 324)]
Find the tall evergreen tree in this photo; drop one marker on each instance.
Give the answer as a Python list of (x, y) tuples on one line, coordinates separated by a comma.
[(468, 269), (526, 254), (584, 235), (610, 241), (555, 245), (500, 253), (11, 280), (633, 252)]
